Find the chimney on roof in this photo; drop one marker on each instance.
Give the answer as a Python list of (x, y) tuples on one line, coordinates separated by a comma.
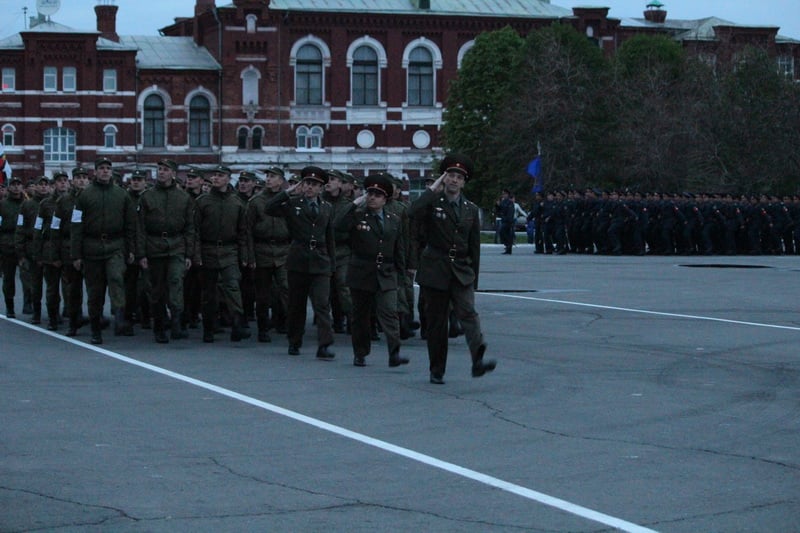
[(421, 4), (107, 20), (655, 12), (203, 6)]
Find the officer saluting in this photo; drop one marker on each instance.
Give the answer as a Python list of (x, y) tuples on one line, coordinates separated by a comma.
[(377, 259), (449, 264), (312, 257)]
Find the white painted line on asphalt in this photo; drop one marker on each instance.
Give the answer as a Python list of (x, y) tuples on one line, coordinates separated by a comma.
[(545, 499), (641, 311)]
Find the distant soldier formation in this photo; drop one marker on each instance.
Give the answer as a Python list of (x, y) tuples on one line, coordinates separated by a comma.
[(176, 254), (595, 221)]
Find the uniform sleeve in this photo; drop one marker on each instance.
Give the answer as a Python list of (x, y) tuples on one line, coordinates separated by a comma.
[(475, 248), (76, 230), (130, 226), (243, 236)]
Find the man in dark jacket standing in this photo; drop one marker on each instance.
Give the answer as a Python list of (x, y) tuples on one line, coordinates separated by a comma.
[(377, 260), (222, 250), (449, 264), (165, 247), (312, 257), (270, 245), (103, 240)]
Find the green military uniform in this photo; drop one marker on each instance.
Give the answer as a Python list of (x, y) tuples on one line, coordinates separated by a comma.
[(449, 266), (270, 247), (405, 292), (71, 278), (341, 302), (31, 273), (376, 262), (46, 253), (222, 247), (103, 240), (165, 237), (311, 262), (9, 213)]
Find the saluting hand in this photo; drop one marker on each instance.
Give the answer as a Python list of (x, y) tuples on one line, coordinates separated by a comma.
[(437, 186)]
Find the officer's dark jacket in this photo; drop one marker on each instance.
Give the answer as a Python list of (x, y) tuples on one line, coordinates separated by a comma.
[(377, 254), (453, 248), (313, 248), (165, 223), (103, 222), (221, 227), (269, 235), (60, 226)]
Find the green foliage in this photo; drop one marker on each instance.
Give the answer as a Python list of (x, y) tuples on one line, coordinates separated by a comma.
[(649, 118)]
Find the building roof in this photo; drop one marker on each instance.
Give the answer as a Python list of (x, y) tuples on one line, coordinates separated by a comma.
[(15, 41), (175, 53), (695, 29), (477, 8)]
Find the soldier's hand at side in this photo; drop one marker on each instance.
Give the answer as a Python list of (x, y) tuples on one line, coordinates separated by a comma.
[(77, 264), (187, 263), (143, 263), (131, 259)]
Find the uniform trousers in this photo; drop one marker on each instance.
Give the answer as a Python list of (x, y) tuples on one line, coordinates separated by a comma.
[(72, 289), (137, 293), (317, 287), (192, 294), (166, 287), (102, 274), (385, 304), (226, 280), (437, 311), (52, 280), (270, 281), (9, 278), (341, 299)]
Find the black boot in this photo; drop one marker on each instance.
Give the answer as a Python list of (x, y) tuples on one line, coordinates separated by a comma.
[(52, 318), (36, 317), (10, 308), (405, 328), (239, 329), (262, 321), (122, 328), (97, 336), (396, 360), (27, 307)]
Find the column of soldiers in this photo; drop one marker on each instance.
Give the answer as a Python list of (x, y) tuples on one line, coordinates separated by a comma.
[(595, 221), (174, 256)]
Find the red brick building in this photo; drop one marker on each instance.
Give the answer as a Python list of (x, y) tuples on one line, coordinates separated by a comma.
[(359, 85)]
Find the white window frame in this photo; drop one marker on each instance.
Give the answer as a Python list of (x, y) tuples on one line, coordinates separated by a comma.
[(69, 79), (9, 132), (786, 66), (110, 136), (109, 80), (50, 82), (250, 80), (59, 145), (9, 79), (309, 137), (326, 63)]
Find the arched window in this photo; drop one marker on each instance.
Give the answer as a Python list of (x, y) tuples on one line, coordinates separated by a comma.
[(257, 138), (59, 145), (8, 135), (308, 76), (199, 122), (365, 76), (250, 78), (250, 21), (110, 136), (241, 135), (420, 77), (309, 138), (154, 121)]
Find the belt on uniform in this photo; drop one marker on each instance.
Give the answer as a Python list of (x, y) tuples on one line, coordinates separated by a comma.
[(451, 253), (273, 242), (163, 234), (312, 243), (379, 259), (219, 242)]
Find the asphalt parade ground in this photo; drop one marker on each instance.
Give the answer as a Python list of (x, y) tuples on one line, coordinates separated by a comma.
[(631, 393)]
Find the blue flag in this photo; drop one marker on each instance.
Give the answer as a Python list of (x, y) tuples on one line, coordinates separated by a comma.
[(535, 171)]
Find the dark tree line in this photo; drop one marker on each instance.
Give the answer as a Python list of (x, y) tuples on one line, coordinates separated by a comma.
[(651, 118)]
